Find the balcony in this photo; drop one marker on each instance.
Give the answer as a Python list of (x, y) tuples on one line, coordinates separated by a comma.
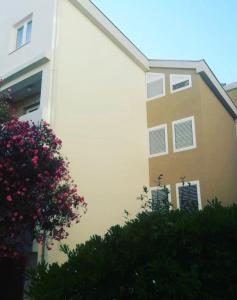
[(34, 116)]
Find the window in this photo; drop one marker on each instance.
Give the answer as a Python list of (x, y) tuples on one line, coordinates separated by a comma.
[(179, 82), (184, 137), (160, 197), (188, 195), (158, 142), (155, 85), (23, 32)]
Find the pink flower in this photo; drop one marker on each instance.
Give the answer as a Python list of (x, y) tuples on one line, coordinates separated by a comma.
[(9, 198)]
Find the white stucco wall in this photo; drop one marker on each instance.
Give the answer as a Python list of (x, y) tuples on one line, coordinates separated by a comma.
[(99, 112), (11, 12)]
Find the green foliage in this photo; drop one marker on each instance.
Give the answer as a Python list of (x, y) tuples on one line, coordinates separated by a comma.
[(177, 255)]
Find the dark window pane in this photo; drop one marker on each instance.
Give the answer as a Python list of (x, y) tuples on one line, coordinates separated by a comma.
[(160, 200), (180, 85), (188, 197)]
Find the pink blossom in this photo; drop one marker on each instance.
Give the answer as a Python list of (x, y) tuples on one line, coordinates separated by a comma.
[(9, 198)]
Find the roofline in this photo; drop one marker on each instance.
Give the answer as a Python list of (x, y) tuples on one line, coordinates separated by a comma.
[(102, 22), (230, 86), (202, 68)]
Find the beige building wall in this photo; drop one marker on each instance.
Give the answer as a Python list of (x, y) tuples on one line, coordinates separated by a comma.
[(220, 148), (233, 95), (99, 112), (214, 161)]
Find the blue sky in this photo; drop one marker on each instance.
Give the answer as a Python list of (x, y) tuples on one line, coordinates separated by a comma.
[(180, 29)]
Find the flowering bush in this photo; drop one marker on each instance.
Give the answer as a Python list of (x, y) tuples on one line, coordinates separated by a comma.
[(6, 110), (38, 198)]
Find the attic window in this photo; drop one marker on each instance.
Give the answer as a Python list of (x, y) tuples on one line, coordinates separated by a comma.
[(155, 85), (179, 82)]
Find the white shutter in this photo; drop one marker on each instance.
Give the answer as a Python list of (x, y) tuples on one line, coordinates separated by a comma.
[(184, 134), (158, 140), (155, 85)]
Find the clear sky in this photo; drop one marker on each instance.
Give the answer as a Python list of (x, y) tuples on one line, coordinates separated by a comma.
[(180, 29)]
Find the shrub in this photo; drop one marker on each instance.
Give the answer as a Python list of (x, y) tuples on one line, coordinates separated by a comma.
[(178, 255)]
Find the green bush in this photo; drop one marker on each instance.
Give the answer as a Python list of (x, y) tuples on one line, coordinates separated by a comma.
[(178, 255)]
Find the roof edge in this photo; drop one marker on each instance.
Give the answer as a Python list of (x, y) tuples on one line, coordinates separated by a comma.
[(230, 86), (103, 23)]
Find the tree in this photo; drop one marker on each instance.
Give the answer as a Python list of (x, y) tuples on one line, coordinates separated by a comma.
[(38, 198)]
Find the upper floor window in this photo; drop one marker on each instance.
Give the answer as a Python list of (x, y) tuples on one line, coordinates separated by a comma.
[(184, 136), (155, 85), (23, 32), (158, 141), (179, 82)]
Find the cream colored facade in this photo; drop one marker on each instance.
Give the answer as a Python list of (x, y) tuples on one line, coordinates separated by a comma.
[(90, 81), (99, 112), (213, 162)]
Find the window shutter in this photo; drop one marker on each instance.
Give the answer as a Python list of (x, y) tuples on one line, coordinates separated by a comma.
[(159, 199), (155, 85), (188, 195), (183, 132), (157, 141)]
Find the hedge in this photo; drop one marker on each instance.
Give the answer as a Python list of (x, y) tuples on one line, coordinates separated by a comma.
[(179, 255)]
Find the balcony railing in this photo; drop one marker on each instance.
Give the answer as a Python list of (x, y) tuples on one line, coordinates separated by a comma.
[(34, 116)]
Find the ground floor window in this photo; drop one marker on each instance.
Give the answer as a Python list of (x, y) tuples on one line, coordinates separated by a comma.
[(188, 195)]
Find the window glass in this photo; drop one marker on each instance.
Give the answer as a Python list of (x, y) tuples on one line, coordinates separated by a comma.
[(19, 39), (188, 197), (28, 31)]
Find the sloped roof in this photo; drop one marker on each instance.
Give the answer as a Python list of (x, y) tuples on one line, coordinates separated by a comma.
[(206, 73)]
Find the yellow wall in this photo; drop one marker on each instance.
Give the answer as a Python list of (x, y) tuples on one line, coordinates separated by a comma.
[(220, 148), (99, 112), (233, 95), (214, 161)]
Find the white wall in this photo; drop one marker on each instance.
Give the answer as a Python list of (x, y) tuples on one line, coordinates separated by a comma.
[(99, 112), (13, 11)]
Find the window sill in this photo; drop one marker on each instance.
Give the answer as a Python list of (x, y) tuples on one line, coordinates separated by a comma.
[(22, 46), (185, 149)]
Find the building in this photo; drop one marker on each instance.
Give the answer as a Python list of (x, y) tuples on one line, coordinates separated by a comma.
[(231, 90), (192, 132), (77, 71), (68, 64)]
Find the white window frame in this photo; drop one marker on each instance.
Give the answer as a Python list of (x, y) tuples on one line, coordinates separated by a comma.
[(194, 182), (189, 77), (166, 140), (162, 75), (161, 188), (194, 134), (24, 24)]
